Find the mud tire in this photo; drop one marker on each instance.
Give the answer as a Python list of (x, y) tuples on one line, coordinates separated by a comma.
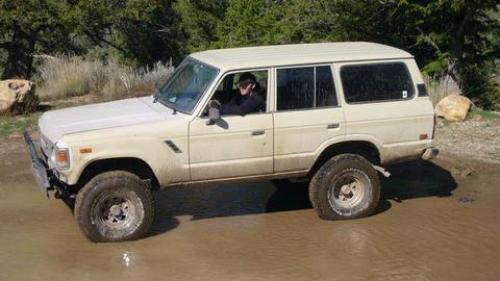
[(125, 189), (329, 177)]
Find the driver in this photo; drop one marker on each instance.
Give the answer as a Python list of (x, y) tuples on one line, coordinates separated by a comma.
[(248, 100)]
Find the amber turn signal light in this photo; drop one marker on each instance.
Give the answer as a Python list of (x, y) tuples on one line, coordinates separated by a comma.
[(85, 150)]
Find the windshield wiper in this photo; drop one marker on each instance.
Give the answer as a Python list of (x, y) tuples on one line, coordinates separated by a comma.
[(156, 98), (174, 109), (170, 105)]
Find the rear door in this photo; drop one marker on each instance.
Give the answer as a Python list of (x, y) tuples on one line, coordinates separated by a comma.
[(381, 105), (307, 116)]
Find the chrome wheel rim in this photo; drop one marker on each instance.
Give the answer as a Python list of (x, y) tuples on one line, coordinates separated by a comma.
[(117, 213), (348, 189)]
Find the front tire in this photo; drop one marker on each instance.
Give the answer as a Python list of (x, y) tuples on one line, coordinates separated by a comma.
[(345, 187), (114, 206)]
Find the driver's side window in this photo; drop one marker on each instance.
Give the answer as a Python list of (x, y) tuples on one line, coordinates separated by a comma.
[(229, 93)]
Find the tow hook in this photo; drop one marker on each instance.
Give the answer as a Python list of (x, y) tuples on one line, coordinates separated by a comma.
[(382, 171)]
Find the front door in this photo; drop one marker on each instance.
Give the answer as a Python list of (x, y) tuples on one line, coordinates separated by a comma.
[(238, 146)]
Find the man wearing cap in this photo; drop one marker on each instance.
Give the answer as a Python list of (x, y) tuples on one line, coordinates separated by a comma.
[(249, 98)]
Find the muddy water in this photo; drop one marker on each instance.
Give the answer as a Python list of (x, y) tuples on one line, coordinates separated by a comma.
[(432, 224)]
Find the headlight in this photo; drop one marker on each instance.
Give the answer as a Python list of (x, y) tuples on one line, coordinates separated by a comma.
[(62, 158)]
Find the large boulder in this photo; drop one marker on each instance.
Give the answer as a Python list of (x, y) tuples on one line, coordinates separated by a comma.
[(17, 96), (453, 108)]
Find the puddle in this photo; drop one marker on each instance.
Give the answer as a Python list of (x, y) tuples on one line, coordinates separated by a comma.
[(430, 225)]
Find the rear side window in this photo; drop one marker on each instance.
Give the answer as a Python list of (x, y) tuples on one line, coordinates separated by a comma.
[(305, 87), (295, 88), (376, 82)]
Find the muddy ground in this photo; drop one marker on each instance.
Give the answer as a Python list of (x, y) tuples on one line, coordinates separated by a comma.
[(436, 221)]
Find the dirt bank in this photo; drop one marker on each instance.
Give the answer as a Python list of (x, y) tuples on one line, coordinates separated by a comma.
[(436, 221), (477, 138)]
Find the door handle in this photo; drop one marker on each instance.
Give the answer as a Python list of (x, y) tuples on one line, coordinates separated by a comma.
[(333, 126), (258, 133)]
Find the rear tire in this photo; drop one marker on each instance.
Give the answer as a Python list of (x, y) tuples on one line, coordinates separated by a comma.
[(345, 187), (115, 206)]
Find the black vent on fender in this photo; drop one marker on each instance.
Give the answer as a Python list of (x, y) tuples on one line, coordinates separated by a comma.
[(172, 146)]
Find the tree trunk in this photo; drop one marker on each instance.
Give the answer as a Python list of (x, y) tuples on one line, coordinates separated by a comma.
[(19, 54)]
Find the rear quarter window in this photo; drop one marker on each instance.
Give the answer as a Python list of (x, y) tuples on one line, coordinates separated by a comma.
[(376, 82)]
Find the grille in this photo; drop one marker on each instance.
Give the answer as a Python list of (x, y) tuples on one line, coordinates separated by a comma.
[(46, 145)]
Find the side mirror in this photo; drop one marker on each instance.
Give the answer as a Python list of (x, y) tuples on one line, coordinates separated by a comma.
[(213, 115)]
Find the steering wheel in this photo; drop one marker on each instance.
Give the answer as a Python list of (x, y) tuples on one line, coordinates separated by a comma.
[(214, 104)]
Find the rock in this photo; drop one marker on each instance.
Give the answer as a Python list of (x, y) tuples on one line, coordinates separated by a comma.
[(17, 96), (461, 172), (453, 108), (466, 199), (466, 172)]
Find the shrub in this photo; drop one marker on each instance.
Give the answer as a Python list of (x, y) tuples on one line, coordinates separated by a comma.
[(486, 97), (62, 77)]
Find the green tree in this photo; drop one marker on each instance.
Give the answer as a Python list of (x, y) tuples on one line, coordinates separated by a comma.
[(303, 21), (29, 25), (248, 23), (199, 20), (140, 32), (447, 37), (463, 45)]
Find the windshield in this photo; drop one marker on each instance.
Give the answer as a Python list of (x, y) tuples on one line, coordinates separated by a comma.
[(187, 85)]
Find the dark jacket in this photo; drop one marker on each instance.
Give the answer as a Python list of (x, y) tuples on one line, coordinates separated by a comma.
[(241, 105)]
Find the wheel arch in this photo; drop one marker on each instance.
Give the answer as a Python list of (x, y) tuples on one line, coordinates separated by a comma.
[(364, 148), (134, 165)]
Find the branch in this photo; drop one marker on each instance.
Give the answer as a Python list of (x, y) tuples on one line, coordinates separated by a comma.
[(429, 40), (44, 57), (98, 39)]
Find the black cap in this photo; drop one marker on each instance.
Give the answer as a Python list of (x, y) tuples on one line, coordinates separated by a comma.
[(247, 77)]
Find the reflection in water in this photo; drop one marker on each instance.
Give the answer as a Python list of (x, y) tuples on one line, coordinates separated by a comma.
[(126, 259)]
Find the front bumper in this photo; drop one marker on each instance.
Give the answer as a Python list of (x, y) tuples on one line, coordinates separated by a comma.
[(44, 177)]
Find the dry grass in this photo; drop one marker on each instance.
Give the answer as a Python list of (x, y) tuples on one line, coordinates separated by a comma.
[(62, 77), (440, 88)]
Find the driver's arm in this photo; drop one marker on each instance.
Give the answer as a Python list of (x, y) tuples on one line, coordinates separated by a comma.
[(250, 105)]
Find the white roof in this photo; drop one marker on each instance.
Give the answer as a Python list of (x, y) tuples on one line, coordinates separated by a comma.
[(281, 55)]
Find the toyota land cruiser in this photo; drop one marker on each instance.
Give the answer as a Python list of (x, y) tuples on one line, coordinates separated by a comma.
[(334, 114)]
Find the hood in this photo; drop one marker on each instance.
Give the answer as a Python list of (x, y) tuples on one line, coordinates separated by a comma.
[(54, 124)]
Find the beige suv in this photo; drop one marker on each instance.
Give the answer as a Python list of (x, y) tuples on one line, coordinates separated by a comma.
[(330, 113)]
